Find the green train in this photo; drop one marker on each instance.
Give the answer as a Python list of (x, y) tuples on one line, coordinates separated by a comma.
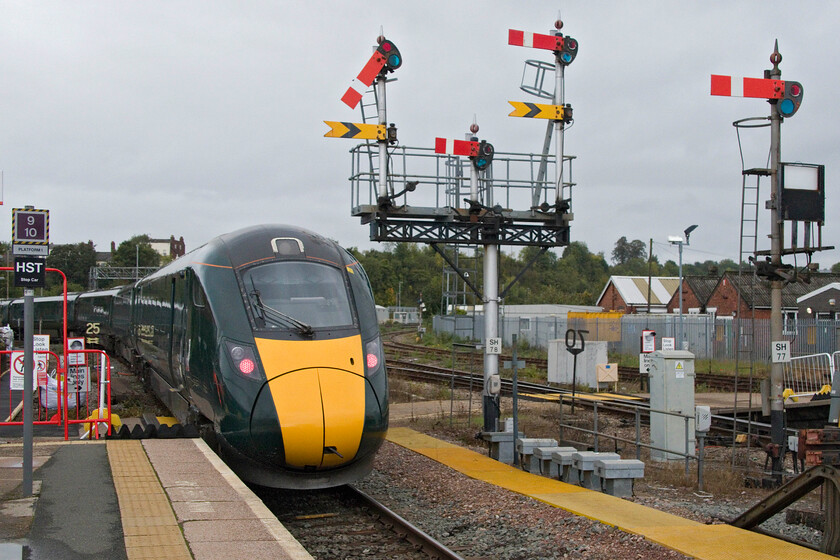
[(267, 338)]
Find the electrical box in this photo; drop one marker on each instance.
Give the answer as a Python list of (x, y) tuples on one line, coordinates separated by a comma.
[(672, 421), (703, 418)]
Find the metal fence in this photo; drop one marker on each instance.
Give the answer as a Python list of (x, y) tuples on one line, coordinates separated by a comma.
[(707, 336)]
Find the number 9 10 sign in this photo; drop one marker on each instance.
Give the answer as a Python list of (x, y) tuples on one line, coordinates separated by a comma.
[(30, 226)]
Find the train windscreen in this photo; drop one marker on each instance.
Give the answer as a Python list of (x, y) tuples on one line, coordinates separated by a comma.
[(297, 295)]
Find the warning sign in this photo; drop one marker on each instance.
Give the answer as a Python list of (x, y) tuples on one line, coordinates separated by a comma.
[(39, 372), (78, 380), (680, 369)]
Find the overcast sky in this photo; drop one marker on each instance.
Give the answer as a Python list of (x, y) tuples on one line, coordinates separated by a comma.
[(195, 118)]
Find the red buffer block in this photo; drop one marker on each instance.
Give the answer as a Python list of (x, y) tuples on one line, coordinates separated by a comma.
[(456, 147)]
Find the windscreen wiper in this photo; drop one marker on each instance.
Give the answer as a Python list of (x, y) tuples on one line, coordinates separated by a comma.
[(275, 316)]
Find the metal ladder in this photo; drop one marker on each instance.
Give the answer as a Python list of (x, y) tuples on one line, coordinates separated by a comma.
[(745, 326), (370, 115)]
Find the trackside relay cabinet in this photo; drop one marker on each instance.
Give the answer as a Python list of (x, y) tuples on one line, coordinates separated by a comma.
[(672, 390)]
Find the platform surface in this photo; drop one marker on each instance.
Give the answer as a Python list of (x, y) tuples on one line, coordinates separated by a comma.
[(708, 542), (165, 499)]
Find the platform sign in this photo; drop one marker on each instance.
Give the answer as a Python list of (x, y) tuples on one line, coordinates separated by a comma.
[(41, 342), (356, 130), (78, 379), (780, 352), (648, 341), (494, 346), (30, 232), (645, 362), (75, 358), (16, 372), (30, 272)]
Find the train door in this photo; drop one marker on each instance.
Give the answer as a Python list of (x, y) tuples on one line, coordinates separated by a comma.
[(178, 325)]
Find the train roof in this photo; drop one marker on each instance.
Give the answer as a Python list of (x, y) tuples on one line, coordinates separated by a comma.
[(270, 241)]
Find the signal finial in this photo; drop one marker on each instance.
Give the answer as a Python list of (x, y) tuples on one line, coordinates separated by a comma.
[(776, 57), (381, 36), (474, 126)]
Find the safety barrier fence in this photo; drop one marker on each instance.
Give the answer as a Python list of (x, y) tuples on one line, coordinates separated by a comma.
[(707, 336), (75, 390), (806, 375)]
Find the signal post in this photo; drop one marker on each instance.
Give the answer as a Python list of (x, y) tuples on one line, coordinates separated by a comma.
[(785, 204), (454, 221)]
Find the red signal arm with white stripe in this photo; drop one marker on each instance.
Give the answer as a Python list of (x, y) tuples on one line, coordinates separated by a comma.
[(535, 40), (363, 81), (456, 147), (734, 86)]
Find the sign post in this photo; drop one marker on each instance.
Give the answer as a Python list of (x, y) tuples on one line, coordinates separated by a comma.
[(30, 238)]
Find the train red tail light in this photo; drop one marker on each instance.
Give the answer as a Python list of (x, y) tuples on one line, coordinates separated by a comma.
[(244, 360), (373, 356)]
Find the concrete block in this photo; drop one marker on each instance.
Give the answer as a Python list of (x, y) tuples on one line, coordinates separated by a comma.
[(563, 460), (583, 462), (617, 476), (525, 447), (501, 445), (543, 456)]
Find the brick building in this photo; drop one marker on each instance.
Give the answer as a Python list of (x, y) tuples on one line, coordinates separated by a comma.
[(629, 294), (696, 293)]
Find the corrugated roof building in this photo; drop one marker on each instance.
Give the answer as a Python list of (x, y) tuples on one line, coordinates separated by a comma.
[(630, 294)]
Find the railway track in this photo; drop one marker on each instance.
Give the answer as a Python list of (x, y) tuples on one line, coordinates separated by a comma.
[(465, 358), (410, 361), (346, 523)]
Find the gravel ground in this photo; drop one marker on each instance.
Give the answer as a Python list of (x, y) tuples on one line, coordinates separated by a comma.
[(479, 520)]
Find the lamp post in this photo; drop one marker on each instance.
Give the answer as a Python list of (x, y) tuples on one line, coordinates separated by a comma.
[(676, 240)]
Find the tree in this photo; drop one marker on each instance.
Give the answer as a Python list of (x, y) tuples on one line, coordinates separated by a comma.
[(625, 251), (136, 251), (75, 261)]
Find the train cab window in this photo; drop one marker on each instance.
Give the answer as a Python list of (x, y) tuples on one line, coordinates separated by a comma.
[(297, 295)]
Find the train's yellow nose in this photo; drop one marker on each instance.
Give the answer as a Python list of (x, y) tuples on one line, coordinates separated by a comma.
[(317, 389), (321, 413)]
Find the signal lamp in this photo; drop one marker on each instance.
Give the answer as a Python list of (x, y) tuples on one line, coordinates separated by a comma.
[(789, 104), (569, 51), (485, 156), (393, 58)]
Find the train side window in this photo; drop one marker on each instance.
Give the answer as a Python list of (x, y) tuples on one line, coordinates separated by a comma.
[(198, 296), (360, 286)]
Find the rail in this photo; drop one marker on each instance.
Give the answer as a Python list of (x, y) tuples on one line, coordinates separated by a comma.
[(413, 534)]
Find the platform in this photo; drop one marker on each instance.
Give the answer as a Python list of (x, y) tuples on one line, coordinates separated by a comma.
[(708, 542), (136, 500)]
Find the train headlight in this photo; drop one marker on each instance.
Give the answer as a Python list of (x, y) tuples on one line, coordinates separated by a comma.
[(373, 356), (244, 360)]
